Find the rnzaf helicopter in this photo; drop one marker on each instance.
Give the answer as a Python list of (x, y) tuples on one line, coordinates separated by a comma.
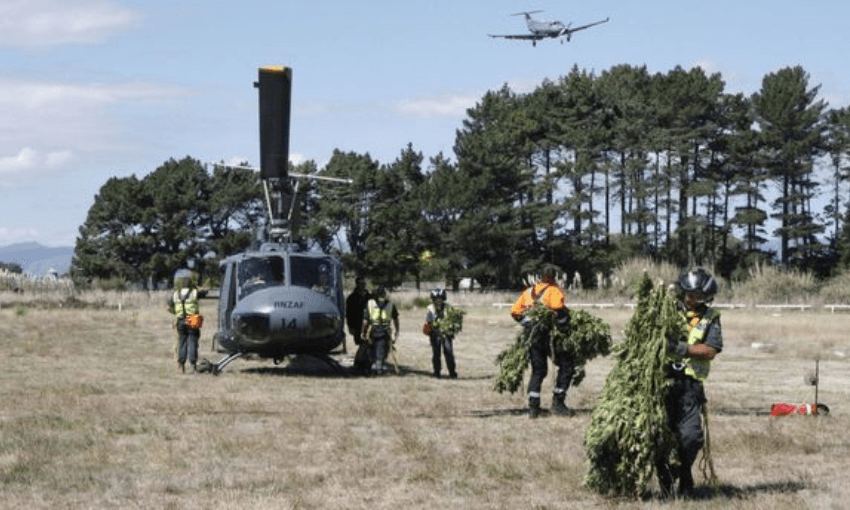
[(546, 29), (276, 300)]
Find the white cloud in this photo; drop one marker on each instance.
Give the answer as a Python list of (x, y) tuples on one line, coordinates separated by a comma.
[(29, 160), (60, 119), (16, 235), (33, 95), (58, 159), (35, 23), (447, 106), (735, 82), (236, 161), (20, 162)]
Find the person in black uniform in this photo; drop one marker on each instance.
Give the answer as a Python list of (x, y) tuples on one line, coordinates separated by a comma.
[(689, 356), (355, 304)]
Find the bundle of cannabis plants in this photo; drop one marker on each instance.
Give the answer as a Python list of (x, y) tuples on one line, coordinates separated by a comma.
[(586, 338), (451, 323), (628, 427)]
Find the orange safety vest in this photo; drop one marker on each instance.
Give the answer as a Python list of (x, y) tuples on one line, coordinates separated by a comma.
[(547, 293)]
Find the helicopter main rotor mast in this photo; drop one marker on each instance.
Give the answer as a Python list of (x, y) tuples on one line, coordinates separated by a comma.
[(275, 88)]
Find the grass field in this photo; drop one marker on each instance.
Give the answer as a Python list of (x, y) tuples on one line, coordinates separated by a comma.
[(94, 415)]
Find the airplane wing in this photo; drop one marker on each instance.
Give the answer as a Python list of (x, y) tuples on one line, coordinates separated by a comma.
[(571, 30), (525, 37)]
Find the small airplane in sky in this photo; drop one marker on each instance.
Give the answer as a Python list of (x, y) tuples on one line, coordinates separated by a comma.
[(546, 29)]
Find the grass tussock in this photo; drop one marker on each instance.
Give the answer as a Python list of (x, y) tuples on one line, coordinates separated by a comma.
[(95, 416), (837, 289), (767, 284)]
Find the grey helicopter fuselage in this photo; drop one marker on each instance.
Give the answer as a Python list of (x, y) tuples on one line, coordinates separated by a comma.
[(275, 302)]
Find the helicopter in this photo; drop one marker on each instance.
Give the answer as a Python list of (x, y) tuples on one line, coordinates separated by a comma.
[(277, 300), (546, 29)]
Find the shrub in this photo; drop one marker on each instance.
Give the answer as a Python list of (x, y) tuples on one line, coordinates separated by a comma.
[(767, 284), (626, 276), (837, 289)]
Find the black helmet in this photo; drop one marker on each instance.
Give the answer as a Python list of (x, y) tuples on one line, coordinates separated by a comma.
[(438, 293), (549, 272), (697, 281)]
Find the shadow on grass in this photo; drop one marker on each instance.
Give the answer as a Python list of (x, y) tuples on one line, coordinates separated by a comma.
[(326, 366), (729, 491), (749, 491), (330, 367), (741, 411), (305, 365), (516, 411)]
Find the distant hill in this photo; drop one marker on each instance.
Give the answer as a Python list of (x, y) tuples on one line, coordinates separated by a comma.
[(37, 259)]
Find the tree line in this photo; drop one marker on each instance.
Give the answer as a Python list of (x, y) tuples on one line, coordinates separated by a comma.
[(583, 172)]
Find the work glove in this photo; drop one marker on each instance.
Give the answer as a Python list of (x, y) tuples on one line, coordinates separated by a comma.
[(676, 347), (525, 322)]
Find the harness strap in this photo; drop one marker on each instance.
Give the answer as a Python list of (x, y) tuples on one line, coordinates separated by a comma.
[(539, 297)]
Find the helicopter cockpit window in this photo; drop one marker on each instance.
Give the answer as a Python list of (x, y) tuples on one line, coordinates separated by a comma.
[(258, 273), (315, 274)]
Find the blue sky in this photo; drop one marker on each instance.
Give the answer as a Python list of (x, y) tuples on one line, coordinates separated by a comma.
[(91, 89)]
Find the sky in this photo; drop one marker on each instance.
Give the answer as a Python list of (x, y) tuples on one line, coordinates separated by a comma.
[(94, 89)]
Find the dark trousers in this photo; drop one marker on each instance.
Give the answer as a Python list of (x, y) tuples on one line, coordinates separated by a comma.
[(539, 354), (380, 349), (684, 416), (187, 343), (444, 343)]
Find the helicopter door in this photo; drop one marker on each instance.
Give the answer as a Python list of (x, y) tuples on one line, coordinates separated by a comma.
[(227, 299)]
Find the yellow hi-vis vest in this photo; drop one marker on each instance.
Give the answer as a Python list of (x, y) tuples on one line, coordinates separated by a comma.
[(695, 328), (380, 315), (186, 306)]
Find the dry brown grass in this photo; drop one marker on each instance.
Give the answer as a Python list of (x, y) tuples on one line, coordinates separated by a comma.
[(94, 416)]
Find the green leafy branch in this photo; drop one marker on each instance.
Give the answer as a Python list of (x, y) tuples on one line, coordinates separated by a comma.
[(628, 427), (585, 338), (451, 323)]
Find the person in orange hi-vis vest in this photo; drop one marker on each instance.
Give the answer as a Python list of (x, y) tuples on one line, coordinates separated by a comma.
[(547, 292)]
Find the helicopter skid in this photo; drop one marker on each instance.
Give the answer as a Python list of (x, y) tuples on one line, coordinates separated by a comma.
[(216, 368)]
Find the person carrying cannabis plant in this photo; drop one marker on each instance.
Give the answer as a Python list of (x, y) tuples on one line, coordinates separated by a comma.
[(442, 323), (689, 355), (546, 292)]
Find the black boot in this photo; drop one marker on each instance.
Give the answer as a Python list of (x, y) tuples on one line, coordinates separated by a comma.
[(683, 472), (533, 407), (558, 406), (686, 482)]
